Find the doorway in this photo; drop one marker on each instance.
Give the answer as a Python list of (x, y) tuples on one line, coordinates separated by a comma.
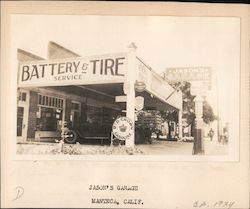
[(22, 115), (75, 112)]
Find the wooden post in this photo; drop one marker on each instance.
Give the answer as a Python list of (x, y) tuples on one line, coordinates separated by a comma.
[(130, 82), (198, 135)]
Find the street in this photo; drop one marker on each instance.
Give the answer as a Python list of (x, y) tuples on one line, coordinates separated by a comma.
[(167, 148), (158, 147), (214, 147)]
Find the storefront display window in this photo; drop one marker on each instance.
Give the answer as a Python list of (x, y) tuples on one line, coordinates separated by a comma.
[(49, 116), (50, 119)]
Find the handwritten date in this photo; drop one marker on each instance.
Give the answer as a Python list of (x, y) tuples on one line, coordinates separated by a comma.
[(218, 204)]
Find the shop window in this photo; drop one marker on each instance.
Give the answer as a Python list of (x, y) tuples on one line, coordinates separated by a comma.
[(50, 119), (49, 116), (50, 101)]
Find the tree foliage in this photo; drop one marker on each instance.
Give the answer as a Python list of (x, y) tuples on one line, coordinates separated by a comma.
[(189, 104), (208, 114)]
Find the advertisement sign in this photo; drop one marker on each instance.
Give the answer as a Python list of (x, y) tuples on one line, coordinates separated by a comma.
[(199, 77), (122, 98), (123, 128), (74, 71), (164, 91), (143, 72), (188, 74), (139, 103), (156, 84)]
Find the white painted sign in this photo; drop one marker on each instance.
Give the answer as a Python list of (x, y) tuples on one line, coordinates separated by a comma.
[(74, 71), (139, 103), (188, 74), (199, 77), (123, 128), (121, 98), (156, 85), (164, 91)]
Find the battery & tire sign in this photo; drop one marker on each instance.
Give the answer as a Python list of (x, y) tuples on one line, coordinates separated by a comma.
[(123, 128)]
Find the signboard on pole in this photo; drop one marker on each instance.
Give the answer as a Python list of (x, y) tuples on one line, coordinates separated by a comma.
[(122, 128), (122, 98), (139, 103), (188, 74), (73, 71), (199, 77)]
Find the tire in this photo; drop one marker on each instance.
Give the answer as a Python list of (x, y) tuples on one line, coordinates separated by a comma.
[(71, 137)]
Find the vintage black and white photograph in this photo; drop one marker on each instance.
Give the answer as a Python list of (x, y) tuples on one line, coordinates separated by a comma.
[(126, 85), (124, 105)]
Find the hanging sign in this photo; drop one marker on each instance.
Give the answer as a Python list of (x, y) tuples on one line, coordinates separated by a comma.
[(74, 71)]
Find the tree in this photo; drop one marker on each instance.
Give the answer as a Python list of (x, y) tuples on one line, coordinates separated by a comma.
[(208, 114), (189, 105)]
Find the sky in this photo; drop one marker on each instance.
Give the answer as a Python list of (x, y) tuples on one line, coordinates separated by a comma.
[(162, 42)]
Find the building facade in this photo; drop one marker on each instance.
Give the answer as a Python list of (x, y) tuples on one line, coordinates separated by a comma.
[(44, 105)]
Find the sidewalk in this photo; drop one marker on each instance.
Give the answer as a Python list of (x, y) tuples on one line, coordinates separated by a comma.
[(214, 147), (167, 148)]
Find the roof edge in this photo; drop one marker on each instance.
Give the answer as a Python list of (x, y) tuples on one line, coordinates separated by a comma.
[(63, 48), (29, 54)]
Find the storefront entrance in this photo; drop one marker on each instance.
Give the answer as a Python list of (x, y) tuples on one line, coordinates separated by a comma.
[(22, 115), (75, 112), (49, 117)]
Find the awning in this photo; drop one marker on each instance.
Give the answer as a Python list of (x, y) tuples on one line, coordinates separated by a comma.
[(157, 86)]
